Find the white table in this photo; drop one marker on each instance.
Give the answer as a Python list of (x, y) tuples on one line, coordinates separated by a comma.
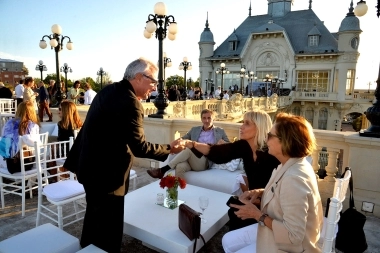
[(157, 226)]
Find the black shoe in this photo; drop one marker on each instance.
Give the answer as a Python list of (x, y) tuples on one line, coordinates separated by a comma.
[(155, 173)]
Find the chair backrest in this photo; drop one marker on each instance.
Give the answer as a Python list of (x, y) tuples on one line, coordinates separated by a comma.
[(48, 157), (8, 106), (340, 190), (27, 156)]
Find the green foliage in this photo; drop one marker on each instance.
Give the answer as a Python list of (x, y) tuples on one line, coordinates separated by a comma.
[(174, 80), (25, 70)]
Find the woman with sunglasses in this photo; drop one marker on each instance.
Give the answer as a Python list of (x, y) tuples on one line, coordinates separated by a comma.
[(251, 148), (290, 216)]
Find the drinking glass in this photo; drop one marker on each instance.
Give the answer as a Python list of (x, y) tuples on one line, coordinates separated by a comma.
[(203, 204)]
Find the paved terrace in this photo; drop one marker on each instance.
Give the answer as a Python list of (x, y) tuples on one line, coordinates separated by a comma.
[(11, 223)]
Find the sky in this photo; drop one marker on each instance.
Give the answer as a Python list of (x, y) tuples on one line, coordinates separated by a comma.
[(109, 34)]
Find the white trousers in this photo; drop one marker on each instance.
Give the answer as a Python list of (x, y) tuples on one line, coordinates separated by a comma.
[(242, 240)]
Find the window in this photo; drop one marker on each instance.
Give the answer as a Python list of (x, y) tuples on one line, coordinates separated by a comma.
[(322, 122), (296, 110), (313, 40), (313, 81), (355, 43), (233, 45), (350, 81), (309, 115)]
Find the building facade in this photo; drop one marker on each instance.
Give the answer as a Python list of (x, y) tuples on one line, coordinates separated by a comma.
[(291, 50), (11, 71)]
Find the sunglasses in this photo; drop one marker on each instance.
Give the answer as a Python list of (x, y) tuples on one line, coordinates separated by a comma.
[(270, 135), (151, 78)]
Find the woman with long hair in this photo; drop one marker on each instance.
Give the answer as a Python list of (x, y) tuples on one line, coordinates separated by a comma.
[(69, 122), (25, 123)]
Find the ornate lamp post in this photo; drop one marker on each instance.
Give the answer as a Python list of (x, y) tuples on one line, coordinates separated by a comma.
[(56, 42), (185, 65), (167, 63), (242, 74), (41, 67), (161, 24), (251, 76), (101, 73), (222, 70), (66, 69)]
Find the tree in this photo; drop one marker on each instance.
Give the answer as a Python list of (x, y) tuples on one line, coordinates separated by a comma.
[(25, 70), (174, 80)]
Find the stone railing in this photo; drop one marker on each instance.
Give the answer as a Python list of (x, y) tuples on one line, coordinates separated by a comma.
[(314, 95), (362, 154)]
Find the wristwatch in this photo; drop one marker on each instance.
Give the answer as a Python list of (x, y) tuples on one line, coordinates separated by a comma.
[(262, 218)]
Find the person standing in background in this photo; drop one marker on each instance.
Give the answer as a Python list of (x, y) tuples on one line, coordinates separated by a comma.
[(44, 103), (19, 91), (74, 93), (89, 94), (5, 92), (29, 94)]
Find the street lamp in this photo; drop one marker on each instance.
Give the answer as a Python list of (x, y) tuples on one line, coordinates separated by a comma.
[(101, 73), (56, 42), (242, 74), (66, 69), (160, 23), (362, 8), (222, 70), (41, 67), (251, 76), (167, 63), (185, 65)]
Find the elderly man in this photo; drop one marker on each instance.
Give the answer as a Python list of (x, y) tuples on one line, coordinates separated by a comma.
[(102, 164), (187, 160)]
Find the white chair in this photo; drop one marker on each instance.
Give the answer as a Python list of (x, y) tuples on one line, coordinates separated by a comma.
[(64, 191), (8, 109), (18, 184), (340, 189)]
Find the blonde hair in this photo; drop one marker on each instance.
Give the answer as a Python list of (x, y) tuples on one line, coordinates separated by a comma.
[(26, 112), (263, 124), (70, 116)]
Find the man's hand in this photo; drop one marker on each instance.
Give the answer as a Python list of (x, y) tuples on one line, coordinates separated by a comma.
[(221, 141), (177, 146)]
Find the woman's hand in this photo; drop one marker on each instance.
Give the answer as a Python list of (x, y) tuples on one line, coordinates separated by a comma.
[(247, 211), (253, 196)]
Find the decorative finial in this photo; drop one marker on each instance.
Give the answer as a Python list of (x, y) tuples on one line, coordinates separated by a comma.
[(207, 21), (310, 4), (249, 13), (351, 10)]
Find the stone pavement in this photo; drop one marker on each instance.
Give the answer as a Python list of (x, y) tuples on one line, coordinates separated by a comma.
[(11, 223)]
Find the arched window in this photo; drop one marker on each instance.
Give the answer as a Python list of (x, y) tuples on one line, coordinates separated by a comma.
[(309, 115), (322, 122)]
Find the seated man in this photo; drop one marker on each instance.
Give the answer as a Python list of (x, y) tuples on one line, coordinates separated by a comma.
[(186, 160)]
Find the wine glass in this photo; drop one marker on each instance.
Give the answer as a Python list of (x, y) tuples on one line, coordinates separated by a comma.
[(203, 204)]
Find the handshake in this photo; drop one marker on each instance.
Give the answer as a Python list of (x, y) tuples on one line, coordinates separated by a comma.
[(179, 145)]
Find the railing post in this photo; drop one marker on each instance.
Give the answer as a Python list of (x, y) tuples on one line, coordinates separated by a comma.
[(331, 167)]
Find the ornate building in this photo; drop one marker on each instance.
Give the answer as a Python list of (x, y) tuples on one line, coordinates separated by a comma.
[(294, 47)]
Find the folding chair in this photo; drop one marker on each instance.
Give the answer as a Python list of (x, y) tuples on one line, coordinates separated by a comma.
[(64, 191), (18, 184)]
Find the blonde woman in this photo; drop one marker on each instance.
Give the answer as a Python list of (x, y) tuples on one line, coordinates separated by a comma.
[(69, 122), (29, 94)]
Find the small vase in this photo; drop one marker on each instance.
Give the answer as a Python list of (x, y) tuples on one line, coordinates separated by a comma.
[(172, 197)]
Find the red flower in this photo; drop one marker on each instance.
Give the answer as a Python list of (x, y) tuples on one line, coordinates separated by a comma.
[(172, 181)]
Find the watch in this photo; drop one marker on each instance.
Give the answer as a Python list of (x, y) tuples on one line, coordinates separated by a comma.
[(262, 218)]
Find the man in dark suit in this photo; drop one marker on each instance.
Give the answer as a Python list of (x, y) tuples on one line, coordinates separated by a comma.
[(188, 160), (44, 102), (102, 154)]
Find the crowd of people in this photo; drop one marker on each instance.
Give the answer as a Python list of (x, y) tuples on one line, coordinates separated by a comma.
[(280, 207)]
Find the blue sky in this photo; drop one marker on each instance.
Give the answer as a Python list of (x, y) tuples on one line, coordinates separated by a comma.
[(109, 34)]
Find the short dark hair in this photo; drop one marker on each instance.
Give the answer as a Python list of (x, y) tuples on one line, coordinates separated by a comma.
[(21, 81), (76, 82), (207, 111)]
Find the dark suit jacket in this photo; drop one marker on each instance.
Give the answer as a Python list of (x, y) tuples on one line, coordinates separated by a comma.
[(110, 136)]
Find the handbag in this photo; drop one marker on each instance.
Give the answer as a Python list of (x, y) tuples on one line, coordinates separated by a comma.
[(351, 237), (235, 222), (189, 222), (5, 147)]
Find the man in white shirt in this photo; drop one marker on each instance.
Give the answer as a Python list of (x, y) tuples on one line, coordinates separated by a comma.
[(217, 92), (89, 94), (226, 96), (19, 92)]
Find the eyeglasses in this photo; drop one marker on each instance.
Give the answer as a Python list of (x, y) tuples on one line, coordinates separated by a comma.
[(151, 78), (270, 135)]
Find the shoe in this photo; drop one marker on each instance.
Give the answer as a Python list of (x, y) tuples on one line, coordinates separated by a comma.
[(155, 173)]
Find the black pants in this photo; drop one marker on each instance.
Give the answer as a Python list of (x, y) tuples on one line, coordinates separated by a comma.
[(103, 221)]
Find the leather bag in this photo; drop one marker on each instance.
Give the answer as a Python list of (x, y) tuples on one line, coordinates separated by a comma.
[(351, 237), (14, 163), (189, 222)]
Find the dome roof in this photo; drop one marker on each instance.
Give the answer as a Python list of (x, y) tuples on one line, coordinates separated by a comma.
[(206, 35), (350, 22)]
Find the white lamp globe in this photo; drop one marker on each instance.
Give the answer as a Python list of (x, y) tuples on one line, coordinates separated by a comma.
[(171, 36), (361, 8), (173, 28), (53, 43), (43, 44), (151, 26), (70, 45), (160, 9), (56, 29), (147, 34)]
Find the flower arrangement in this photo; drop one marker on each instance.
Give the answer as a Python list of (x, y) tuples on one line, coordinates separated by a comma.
[(171, 181)]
